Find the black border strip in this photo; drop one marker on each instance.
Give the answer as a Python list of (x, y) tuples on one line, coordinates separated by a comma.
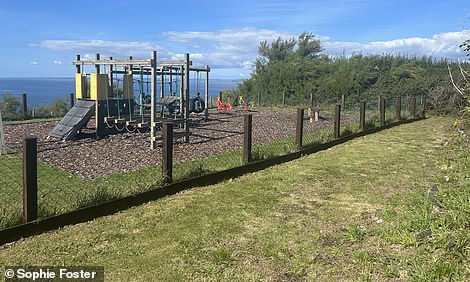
[(110, 207)]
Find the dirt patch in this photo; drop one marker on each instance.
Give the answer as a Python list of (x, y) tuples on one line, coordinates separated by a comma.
[(88, 157)]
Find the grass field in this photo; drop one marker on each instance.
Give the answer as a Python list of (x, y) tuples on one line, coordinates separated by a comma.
[(388, 206)]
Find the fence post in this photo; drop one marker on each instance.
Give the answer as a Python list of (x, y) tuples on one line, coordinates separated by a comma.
[(398, 108), (25, 106), (72, 100), (259, 99), (413, 106), (247, 136), (220, 96), (337, 129), (423, 107), (299, 128), (30, 179), (167, 152), (362, 115), (382, 111), (311, 100), (284, 98)]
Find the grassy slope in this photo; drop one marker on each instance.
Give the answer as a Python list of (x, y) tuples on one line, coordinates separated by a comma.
[(343, 214)]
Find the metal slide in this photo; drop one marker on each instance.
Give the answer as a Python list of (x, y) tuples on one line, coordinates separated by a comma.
[(73, 121)]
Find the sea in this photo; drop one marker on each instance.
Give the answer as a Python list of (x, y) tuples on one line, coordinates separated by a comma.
[(44, 90)]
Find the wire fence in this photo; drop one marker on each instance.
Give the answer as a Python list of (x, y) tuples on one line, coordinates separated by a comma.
[(89, 171)]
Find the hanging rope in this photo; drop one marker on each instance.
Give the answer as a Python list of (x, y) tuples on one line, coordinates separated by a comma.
[(141, 86), (129, 83), (117, 97)]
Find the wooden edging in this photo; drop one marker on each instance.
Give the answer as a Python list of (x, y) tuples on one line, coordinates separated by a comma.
[(110, 207)]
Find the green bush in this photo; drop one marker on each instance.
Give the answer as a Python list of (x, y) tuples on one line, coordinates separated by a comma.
[(10, 106)]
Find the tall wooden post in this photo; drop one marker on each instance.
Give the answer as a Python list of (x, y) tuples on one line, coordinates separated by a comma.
[(167, 152), (206, 96), (186, 99), (337, 129), (25, 105), (110, 79), (398, 108), (259, 99), (247, 138), (77, 67), (311, 101), (284, 99), (30, 179), (181, 89), (220, 97), (299, 128), (72, 100), (99, 108), (382, 110), (153, 97), (362, 115)]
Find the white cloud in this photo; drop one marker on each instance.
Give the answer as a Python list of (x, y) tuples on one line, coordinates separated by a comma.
[(443, 45), (33, 63), (106, 48), (58, 62), (236, 49), (227, 48)]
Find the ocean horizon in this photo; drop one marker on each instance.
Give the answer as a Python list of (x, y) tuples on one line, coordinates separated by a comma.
[(44, 90)]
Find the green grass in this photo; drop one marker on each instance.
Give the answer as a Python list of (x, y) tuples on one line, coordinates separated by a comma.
[(359, 211), (60, 191)]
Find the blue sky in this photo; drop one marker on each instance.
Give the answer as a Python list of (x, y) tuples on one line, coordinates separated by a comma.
[(41, 38)]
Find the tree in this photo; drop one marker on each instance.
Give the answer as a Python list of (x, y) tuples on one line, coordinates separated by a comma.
[(308, 45), (278, 50), (10, 107)]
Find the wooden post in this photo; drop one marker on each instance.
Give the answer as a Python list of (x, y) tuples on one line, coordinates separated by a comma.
[(284, 99), (110, 79), (25, 106), (362, 115), (398, 108), (337, 129), (413, 106), (167, 152), (220, 97), (72, 100), (311, 100), (247, 136), (206, 96), (423, 107), (299, 128), (186, 99), (382, 111), (153, 97), (259, 99), (99, 109), (77, 67), (30, 179)]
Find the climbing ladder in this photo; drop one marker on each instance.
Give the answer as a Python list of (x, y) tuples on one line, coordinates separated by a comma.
[(74, 120)]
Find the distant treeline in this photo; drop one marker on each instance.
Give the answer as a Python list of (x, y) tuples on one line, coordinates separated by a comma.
[(296, 69)]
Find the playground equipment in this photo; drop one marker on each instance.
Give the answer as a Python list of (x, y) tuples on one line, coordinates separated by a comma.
[(221, 106), (113, 98)]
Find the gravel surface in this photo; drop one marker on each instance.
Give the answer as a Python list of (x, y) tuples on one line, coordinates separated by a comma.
[(119, 152)]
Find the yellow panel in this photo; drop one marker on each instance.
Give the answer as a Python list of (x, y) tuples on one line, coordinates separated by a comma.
[(128, 86), (98, 86), (81, 86)]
